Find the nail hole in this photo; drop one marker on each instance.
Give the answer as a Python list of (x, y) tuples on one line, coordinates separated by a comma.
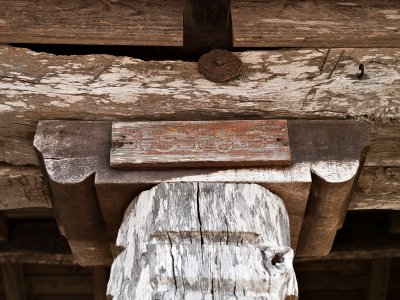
[(277, 259)]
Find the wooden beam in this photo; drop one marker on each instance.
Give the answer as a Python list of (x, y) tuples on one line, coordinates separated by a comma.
[(100, 279), (35, 242), (379, 279), (378, 188), (323, 23), (13, 278), (156, 22), (273, 84), (22, 187)]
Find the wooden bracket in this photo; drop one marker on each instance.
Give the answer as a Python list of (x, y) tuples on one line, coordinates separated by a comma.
[(90, 197)]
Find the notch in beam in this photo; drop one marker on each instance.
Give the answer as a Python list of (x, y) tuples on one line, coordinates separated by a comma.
[(207, 25)]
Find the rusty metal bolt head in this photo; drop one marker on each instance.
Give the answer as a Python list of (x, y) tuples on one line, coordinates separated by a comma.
[(219, 65)]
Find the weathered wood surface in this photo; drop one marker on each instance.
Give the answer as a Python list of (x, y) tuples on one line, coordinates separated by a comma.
[(273, 84), (155, 22), (321, 23), (256, 143), (204, 240), (22, 187), (324, 159), (377, 188), (295, 23)]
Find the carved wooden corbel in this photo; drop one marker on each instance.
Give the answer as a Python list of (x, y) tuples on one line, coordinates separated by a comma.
[(90, 197)]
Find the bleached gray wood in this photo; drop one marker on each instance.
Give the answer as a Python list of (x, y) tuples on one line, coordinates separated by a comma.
[(273, 84), (204, 241)]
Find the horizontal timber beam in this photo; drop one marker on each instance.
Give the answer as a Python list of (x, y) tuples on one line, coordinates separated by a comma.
[(378, 188), (273, 84), (324, 23)]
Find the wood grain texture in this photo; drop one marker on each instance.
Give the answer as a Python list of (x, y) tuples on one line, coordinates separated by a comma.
[(22, 187), (122, 22), (204, 240), (294, 23), (273, 84), (230, 144), (320, 23), (74, 150), (378, 188)]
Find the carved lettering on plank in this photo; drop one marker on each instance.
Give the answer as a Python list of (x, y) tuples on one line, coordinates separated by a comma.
[(212, 143)]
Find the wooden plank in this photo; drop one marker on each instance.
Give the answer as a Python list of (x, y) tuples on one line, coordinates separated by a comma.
[(155, 22), (200, 144), (379, 279), (323, 23), (13, 277), (207, 25), (22, 187), (290, 85)]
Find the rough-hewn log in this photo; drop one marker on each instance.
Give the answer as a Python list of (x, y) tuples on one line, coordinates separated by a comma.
[(321, 23), (204, 240), (22, 187), (273, 84)]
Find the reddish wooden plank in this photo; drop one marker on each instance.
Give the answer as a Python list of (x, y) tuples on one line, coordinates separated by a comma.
[(203, 143)]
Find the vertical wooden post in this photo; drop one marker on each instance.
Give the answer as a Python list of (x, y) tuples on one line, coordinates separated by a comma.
[(100, 278), (379, 278), (13, 277), (204, 240), (207, 25), (3, 228)]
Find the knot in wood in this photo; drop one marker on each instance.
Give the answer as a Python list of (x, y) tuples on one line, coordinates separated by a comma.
[(219, 65)]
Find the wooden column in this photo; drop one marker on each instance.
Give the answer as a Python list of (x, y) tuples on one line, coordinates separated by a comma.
[(13, 278), (100, 278), (379, 278), (204, 240)]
